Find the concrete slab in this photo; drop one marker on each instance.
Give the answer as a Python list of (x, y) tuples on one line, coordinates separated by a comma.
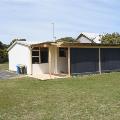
[(48, 76)]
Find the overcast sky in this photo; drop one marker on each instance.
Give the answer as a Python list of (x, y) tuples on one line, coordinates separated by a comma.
[(31, 19)]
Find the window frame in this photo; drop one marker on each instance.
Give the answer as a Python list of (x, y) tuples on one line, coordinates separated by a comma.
[(39, 57), (36, 57)]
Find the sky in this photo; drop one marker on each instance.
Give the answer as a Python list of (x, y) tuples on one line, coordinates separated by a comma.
[(32, 19)]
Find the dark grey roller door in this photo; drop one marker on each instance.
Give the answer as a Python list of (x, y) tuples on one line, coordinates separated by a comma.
[(110, 59), (84, 60)]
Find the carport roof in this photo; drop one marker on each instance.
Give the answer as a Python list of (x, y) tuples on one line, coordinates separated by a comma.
[(63, 44), (73, 44)]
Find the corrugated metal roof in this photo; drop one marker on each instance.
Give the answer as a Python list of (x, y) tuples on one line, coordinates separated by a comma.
[(25, 43), (28, 43)]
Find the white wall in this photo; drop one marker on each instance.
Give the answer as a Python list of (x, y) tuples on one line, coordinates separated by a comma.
[(19, 54), (40, 68), (53, 59), (62, 63), (58, 64), (84, 40)]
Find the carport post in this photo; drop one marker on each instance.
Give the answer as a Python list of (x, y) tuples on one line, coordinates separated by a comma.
[(99, 61), (50, 61), (69, 61), (30, 61)]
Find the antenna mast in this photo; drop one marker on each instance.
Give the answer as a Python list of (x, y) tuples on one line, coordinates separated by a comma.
[(54, 38)]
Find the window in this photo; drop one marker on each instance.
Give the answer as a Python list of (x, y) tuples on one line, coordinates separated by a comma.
[(35, 53), (62, 52), (35, 60), (39, 55), (44, 55), (35, 56)]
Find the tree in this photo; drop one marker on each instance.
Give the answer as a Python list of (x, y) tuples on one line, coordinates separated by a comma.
[(66, 39), (3, 55), (113, 38), (3, 52), (14, 40), (3, 46)]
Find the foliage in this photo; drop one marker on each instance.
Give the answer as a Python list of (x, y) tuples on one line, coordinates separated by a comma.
[(113, 38), (94, 97), (14, 40), (3, 46), (3, 52), (66, 39), (3, 55)]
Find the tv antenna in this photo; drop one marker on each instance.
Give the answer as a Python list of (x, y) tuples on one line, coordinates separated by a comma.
[(53, 30)]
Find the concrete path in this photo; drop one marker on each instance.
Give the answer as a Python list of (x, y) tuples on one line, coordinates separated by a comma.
[(7, 75)]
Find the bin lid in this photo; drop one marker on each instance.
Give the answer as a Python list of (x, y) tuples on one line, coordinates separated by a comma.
[(20, 65)]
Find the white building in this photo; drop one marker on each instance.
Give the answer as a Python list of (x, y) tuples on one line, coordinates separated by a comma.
[(39, 58), (87, 55), (85, 37)]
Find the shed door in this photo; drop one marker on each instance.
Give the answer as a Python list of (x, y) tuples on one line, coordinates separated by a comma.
[(84, 60), (110, 59)]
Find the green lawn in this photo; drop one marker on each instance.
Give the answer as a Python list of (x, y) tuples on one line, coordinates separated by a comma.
[(95, 97), (3, 66)]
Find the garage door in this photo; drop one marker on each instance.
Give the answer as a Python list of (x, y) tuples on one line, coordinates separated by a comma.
[(84, 60), (110, 59)]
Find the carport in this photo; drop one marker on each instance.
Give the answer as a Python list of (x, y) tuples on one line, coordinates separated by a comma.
[(84, 60), (110, 59), (92, 58)]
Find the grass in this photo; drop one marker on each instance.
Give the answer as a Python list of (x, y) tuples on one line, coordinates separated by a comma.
[(95, 97), (4, 66)]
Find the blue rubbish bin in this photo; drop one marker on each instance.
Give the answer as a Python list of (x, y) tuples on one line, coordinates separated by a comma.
[(18, 69)]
